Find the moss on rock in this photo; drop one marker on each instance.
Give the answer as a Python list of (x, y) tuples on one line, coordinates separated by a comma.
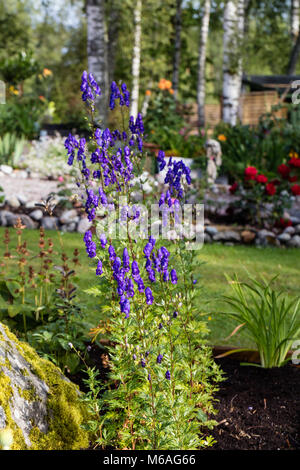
[(48, 400)]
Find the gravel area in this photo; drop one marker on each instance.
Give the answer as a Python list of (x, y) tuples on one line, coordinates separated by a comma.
[(34, 189)]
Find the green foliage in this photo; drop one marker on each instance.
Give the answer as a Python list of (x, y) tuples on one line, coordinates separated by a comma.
[(271, 320), (265, 146), (11, 148), (21, 116), (16, 69), (40, 306)]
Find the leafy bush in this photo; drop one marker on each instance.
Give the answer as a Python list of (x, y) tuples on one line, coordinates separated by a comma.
[(262, 201), (265, 146), (272, 322)]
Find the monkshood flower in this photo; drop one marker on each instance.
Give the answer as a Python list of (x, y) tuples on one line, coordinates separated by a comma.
[(126, 260), (103, 240), (89, 87), (122, 95), (112, 253), (159, 358), (89, 244), (161, 160), (149, 296), (175, 314), (135, 269), (143, 363), (99, 269), (71, 144), (168, 375), (125, 306), (174, 277)]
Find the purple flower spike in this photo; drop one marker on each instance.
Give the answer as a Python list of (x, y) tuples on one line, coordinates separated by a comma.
[(159, 358), (168, 375)]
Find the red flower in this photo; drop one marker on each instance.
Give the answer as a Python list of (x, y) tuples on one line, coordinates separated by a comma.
[(271, 189), (233, 188), (283, 170), (250, 173), (295, 162), (284, 222), (296, 189), (261, 179), (293, 179)]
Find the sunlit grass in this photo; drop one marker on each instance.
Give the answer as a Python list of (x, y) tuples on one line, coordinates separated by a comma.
[(218, 261)]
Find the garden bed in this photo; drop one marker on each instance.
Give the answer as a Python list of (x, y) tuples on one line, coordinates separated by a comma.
[(258, 409)]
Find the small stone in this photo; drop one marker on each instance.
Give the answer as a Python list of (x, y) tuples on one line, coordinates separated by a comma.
[(211, 230), (295, 220), (69, 216), (22, 199), (31, 204), (294, 242), (83, 225), (6, 169), (265, 234), (13, 202), (37, 214), (68, 227), (207, 238), (12, 219), (248, 236), (284, 237), (290, 230), (297, 229), (4, 215), (49, 223), (227, 236)]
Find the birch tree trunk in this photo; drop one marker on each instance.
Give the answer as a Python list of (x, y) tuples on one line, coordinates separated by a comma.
[(97, 52), (176, 63), (295, 19), (201, 63), (136, 59), (232, 59)]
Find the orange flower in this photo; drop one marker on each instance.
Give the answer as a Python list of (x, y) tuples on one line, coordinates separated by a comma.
[(148, 92), (47, 72), (164, 84), (171, 91), (222, 137), (42, 98)]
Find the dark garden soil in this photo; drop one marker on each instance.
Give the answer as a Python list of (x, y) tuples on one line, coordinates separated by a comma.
[(258, 409)]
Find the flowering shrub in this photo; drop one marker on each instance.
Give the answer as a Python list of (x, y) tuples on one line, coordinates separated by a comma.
[(257, 191), (162, 376)]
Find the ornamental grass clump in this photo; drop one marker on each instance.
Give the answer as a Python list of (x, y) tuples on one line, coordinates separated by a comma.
[(272, 322), (159, 393)]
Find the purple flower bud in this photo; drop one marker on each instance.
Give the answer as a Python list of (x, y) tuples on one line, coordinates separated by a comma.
[(168, 375), (159, 358), (99, 269), (149, 296), (174, 278), (175, 314)]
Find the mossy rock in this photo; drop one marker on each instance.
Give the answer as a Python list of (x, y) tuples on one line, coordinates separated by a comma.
[(39, 406)]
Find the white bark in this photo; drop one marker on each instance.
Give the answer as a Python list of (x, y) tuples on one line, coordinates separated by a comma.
[(201, 63), (175, 79), (232, 60), (136, 59), (97, 52), (295, 19)]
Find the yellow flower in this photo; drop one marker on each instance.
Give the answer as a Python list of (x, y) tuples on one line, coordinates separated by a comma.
[(209, 318), (13, 90), (222, 137), (293, 154)]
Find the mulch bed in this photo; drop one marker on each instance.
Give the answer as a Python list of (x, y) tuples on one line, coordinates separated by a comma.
[(258, 409)]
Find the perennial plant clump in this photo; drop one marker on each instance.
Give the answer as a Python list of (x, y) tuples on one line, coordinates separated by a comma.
[(159, 393)]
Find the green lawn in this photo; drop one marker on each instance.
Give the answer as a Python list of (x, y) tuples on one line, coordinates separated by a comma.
[(214, 262)]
